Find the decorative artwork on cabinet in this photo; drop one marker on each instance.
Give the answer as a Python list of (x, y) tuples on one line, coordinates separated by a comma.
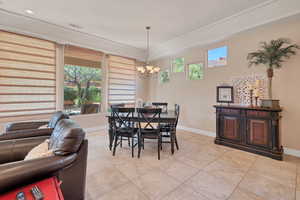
[(243, 85)]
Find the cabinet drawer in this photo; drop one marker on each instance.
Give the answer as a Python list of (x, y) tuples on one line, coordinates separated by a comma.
[(229, 111), (254, 113)]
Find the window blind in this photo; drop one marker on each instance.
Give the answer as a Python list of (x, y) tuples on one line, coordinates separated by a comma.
[(82, 57), (121, 80), (27, 75)]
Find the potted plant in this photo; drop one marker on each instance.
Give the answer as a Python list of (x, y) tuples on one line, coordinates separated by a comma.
[(272, 55)]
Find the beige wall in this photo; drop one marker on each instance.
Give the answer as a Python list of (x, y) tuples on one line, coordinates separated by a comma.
[(198, 97)]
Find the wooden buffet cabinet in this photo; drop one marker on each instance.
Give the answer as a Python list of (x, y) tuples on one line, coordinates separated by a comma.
[(252, 129)]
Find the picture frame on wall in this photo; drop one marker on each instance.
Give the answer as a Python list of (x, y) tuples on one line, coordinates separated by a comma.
[(225, 94), (164, 76)]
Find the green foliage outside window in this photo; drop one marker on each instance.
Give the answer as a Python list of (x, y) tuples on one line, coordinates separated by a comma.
[(178, 65), (82, 86), (164, 76), (195, 71)]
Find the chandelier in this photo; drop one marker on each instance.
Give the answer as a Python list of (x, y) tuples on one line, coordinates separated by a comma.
[(148, 69)]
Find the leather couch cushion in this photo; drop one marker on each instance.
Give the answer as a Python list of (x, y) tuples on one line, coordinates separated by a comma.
[(56, 118), (66, 137)]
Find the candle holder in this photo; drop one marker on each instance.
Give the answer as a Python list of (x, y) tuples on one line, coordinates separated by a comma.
[(251, 97), (256, 101)]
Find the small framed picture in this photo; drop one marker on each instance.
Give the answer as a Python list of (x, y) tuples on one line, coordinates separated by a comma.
[(225, 94), (164, 76)]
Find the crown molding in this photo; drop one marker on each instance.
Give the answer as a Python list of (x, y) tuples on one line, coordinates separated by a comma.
[(264, 13), (17, 23)]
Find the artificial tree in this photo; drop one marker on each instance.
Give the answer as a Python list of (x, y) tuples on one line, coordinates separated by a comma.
[(272, 55)]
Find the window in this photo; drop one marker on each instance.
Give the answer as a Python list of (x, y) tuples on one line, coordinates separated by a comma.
[(217, 57), (82, 80), (195, 71), (164, 76), (121, 81), (27, 78), (178, 65)]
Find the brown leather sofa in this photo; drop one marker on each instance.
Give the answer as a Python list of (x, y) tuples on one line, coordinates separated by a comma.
[(32, 128), (68, 162)]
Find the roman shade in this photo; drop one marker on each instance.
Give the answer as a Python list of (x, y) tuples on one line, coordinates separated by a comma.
[(121, 80), (27, 75), (78, 56)]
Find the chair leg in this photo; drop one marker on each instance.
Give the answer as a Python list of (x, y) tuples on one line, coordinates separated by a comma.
[(143, 143), (177, 147), (115, 145), (132, 146), (121, 141), (172, 142), (139, 146), (128, 141), (158, 147)]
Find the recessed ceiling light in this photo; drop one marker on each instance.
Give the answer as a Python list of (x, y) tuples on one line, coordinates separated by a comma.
[(75, 26), (29, 12)]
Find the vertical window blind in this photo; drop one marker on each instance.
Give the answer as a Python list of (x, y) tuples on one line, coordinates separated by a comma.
[(27, 75), (121, 80)]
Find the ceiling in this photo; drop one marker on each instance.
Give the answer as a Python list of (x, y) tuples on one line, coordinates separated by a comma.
[(124, 21), (118, 26)]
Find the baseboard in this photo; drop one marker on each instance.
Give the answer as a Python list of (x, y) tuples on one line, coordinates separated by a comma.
[(96, 128), (287, 151), (198, 131), (292, 152)]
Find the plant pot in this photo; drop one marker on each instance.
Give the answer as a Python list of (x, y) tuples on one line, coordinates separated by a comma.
[(269, 103)]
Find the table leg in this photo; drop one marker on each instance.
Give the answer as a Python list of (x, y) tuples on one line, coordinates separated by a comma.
[(172, 141), (111, 134)]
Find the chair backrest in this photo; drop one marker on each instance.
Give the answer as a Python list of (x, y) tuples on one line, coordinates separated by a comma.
[(56, 117), (149, 117), (122, 117), (118, 105), (162, 105), (177, 111)]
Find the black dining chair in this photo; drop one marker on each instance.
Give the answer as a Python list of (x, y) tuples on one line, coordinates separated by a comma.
[(162, 105), (148, 124), (118, 105), (169, 130), (123, 126)]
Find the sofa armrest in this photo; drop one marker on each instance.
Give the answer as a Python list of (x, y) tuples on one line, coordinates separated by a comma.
[(25, 125), (19, 173), (19, 134), (17, 149)]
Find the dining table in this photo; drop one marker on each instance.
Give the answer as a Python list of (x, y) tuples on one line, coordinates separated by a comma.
[(165, 117)]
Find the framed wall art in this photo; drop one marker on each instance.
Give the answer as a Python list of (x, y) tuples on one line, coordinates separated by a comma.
[(225, 94)]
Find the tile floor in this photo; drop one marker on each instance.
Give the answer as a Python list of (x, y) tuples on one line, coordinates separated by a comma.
[(200, 170)]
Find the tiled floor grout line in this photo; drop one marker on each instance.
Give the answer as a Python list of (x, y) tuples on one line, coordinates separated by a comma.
[(243, 178), (200, 170), (115, 187), (138, 190), (135, 184)]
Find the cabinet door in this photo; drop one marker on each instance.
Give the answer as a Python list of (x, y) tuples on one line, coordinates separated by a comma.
[(230, 128), (258, 132)]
